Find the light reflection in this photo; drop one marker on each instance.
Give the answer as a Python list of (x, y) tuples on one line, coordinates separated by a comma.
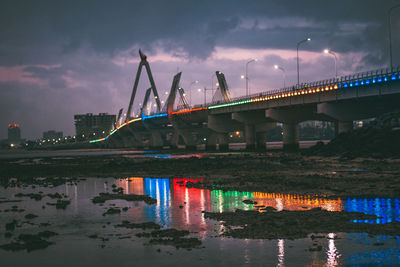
[(296, 202), (387, 209), (281, 253), (333, 254)]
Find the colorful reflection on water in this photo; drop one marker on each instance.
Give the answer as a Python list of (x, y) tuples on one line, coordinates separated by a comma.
[(179, 206), (386, 208), (173, 196)]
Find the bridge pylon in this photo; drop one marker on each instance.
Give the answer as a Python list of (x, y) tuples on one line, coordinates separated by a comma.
[(143, 62)]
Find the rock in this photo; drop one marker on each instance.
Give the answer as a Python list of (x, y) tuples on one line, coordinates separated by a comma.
[(103, 197), (112, 211), (249, 201), (30, 216)]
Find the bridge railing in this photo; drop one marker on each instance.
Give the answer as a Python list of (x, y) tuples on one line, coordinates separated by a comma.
[(326, 82)]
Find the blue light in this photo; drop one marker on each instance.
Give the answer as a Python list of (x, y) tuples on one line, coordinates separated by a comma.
[(385, 209), (351, 84), (154, 116), (367, 81), (373, 80), (393, 77), (105, 138), (385, 79), (345, 85), (379, 79), (362, 82), (356, 83), (340, 85)]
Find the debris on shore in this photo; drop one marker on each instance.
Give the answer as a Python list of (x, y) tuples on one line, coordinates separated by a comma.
[(172, 237), (145, 225), (30, 242), (103, 197)]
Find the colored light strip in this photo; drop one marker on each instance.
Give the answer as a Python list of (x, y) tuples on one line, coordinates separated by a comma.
[(137, 119), (112, 132), (97, 140), (311, 90), (231, 104), (187, 110), (154, 116)]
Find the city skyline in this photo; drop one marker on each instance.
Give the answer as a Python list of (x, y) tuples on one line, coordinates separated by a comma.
[(58, 60)]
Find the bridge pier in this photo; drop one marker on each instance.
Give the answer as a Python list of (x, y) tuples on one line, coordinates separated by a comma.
[(290, 136), (217, 138), (156, 141), (188, 139), (261, 139), (250, 136), (343, 126)]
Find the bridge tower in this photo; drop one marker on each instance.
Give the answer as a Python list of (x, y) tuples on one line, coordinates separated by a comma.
[(143, 62)]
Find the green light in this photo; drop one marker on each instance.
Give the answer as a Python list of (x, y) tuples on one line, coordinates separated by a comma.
[(231, 104), (113, 131)]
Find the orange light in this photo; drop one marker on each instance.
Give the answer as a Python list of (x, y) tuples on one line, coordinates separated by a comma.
[(327, 88), (187, 110), (318, 89), (336, 87)]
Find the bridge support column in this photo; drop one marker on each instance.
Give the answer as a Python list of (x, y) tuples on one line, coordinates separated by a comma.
[(290, 136), (217, 138), (222, 140), (188, 139), (261, 141), (343, 126), (250, 135), (211, 144), (156, 141)]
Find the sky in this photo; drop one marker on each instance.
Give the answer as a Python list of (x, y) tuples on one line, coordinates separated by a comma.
[(60, 58)]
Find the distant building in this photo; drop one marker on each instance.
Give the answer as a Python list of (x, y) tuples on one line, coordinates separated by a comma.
[(51, 134), (89, 126), (14, 133)]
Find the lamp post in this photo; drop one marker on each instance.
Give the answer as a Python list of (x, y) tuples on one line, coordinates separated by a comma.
[(327, 51), (205, 93), (284, 74), (390, 34), (247, 75), (190, 91), (298, 44)]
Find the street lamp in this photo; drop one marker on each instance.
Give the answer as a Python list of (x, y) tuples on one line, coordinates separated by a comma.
[(390, 34), (247, 75), (298, 44), (190, 91), (327, 51), (284, 74)]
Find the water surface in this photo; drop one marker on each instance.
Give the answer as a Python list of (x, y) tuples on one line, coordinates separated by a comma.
[(181, 208)]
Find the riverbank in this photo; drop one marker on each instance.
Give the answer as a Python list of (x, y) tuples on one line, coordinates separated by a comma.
[(264, 172)]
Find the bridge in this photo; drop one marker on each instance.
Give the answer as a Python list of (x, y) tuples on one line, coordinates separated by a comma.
[(339, 100)]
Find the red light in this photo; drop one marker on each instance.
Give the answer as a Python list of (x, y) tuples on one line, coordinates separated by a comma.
[(187, 110)]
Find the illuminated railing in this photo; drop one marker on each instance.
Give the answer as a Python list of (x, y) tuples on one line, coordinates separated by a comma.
[(115, 130), (159, 115), (189, 110), (359, 79)]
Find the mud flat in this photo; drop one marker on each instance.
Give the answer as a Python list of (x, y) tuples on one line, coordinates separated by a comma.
[(297, 224), (265, 172)]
